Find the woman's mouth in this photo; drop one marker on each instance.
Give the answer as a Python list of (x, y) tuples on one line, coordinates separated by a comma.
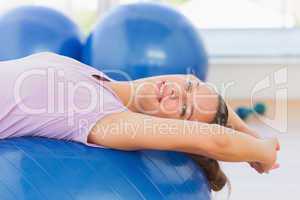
[(160, 90)]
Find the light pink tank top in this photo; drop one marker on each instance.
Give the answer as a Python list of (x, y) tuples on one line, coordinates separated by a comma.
[(52, 96)]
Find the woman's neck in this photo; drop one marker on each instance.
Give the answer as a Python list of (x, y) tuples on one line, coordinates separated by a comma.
[(125, 90)]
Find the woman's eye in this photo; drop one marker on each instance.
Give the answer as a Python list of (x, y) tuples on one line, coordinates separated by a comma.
[(183, 110), (189, 86)]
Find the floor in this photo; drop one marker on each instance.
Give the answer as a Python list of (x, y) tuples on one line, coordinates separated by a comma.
[(283, 183)]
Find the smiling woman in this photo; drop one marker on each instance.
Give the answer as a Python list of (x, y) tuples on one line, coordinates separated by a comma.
[(128, 115), (161, 131), (172, 96)]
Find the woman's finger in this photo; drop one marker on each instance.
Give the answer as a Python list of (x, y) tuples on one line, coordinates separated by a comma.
[(276, 166), (278, 147), (257, 167)]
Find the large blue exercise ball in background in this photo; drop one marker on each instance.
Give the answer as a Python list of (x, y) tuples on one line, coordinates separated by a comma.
[(31, 29), (36, 168), (145, 39)]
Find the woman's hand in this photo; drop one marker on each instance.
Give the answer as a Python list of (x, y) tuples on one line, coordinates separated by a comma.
[(258, 167), (270, 154)]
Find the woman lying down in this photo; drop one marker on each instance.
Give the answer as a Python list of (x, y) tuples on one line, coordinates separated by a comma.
[(52, 96)]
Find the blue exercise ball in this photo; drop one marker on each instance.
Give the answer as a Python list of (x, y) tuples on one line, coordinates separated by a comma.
[(145, 39), (32, 29), (39, 168)]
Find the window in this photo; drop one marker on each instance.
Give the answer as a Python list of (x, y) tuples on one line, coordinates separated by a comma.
[(245, 30), (230, 28), (236, 14), (205, 14), (85, 13)]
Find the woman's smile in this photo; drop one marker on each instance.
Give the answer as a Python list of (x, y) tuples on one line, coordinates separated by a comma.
[(161, 86)]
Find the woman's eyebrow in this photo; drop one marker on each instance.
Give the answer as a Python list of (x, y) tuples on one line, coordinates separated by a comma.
[(191, 112), (195, 84), (192, 105)]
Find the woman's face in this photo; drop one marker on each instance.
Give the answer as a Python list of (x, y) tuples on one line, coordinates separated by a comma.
[(176, 96)]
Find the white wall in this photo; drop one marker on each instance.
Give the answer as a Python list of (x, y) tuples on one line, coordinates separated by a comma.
[(247, 57), (278, 43), (246, 77)]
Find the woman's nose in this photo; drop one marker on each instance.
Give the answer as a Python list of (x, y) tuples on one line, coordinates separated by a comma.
[(175, 93)]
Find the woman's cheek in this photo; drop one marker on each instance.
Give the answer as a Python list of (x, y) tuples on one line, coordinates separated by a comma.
[(170, 107), (146, 100)]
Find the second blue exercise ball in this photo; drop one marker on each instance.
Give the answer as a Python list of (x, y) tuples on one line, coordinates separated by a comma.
[(145, 39), (31, 29)]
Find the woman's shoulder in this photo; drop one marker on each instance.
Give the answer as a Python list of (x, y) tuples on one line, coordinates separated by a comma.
[(66, 63), (46, 55), (38, 60), (50, 58)]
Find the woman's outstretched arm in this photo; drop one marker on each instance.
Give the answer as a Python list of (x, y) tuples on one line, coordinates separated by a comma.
[(236, 123), (133, 131)]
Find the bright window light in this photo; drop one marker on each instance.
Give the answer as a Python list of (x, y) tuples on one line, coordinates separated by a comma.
[(236, 14), (207, 14)]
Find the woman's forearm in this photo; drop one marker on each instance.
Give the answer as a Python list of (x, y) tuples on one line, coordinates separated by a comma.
[(132, 131), (236, 123), (233, 146)]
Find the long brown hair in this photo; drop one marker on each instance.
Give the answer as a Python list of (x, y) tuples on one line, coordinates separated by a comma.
[(214, 174)]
